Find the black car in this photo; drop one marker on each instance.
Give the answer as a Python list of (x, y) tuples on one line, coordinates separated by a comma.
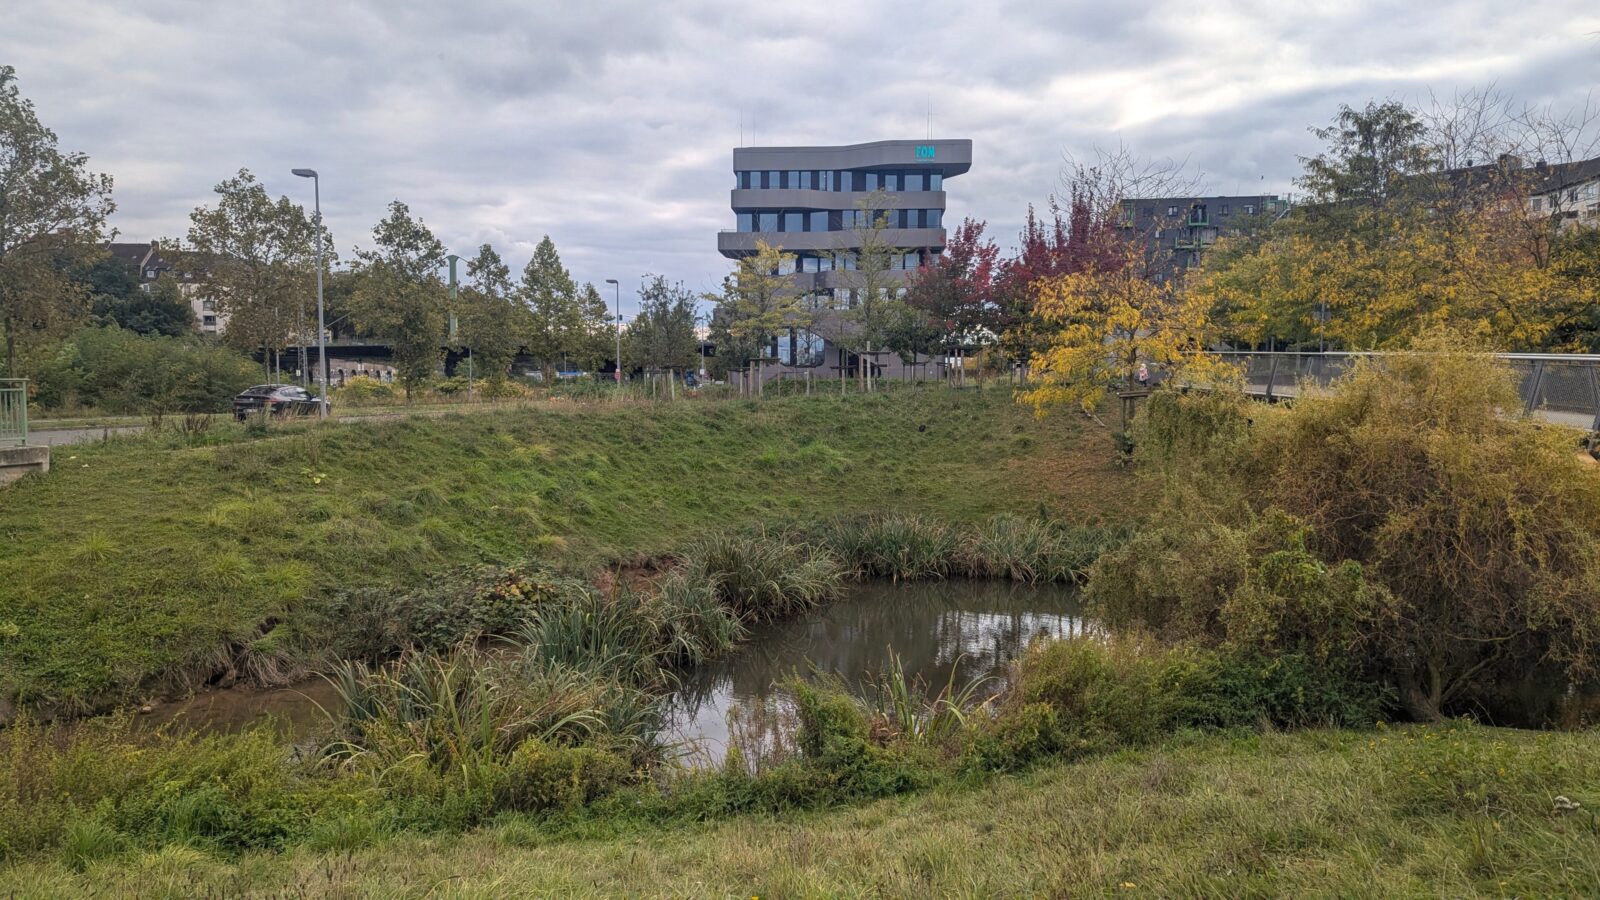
[(277, 399)]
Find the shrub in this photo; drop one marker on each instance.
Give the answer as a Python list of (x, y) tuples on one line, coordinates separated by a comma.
[(1412, 518), (505, 389), (117, 371), (693, 623), (363, 390), (541, 777)]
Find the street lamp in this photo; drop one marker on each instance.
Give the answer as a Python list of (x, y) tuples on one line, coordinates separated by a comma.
[(322, 339), (618, 285)]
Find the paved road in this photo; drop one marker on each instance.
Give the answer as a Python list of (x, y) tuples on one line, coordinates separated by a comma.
[(56, 437)]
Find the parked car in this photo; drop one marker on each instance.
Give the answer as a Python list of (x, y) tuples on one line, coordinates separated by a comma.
[(276, 399)]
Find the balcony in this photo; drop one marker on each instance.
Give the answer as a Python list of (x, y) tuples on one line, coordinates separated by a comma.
[(787, 198), (740, 243)]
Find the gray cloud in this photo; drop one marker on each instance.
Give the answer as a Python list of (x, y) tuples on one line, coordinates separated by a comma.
[(609, 126)]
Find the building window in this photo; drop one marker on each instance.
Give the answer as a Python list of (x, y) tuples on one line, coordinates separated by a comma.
[(891, 181), (794, 221), (1197, 214), (1226, 210), (1538, 203), (149, 273), (827, 180), (747, 222), (794, 181), (818, 221), (915, 182), (208, 305), (934, 219), (209, 321), (767, 223), (1172, 210), (935, 181), (872, 184), (744, 180), (1249, 209)]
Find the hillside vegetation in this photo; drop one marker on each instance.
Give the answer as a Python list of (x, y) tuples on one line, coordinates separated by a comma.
[(1438, 811), (152, 563)]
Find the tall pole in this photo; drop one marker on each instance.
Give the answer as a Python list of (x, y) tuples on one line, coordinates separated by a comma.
[(322, 333), (322, 328), (618, 285)]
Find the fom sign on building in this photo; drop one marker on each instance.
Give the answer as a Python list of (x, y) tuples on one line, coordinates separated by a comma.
[(925, 151)]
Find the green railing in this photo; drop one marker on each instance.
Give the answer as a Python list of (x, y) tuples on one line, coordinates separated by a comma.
[(13, 411)]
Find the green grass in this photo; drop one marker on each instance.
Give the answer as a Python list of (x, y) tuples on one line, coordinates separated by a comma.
[(1418, 811), (143, 565)]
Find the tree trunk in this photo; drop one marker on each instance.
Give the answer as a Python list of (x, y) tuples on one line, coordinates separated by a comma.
[(1422, 705)]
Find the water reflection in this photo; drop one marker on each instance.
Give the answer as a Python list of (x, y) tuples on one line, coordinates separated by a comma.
[(974, 628)]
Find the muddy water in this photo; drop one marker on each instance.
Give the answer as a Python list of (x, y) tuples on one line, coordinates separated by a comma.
[(974, 628), (298, 709)]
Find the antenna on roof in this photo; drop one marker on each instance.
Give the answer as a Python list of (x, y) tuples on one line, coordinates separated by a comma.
[(929, 101), (741, 127)]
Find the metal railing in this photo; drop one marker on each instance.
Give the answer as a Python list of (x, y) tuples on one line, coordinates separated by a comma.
[(13, 411), (1563, 388)]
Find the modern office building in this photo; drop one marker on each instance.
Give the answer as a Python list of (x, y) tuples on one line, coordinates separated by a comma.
[(815, 202)]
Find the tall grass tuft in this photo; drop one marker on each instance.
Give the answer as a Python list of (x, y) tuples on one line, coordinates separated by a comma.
[(692, 623), (1035, 550), (464, 714), (597, 632), (901, 709), (764, 575), (901, 547)]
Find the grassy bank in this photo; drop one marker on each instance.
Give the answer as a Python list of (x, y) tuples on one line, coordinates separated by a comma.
[(1455, 810), (143, 563)]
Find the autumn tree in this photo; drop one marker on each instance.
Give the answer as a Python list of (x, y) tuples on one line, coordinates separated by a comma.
[(1390, 245), (50, 205), (955, 293), (255, 258), (399, 297)]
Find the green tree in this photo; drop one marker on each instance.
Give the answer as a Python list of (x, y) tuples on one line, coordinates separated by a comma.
[(873, 309), (489, 319), (597, 330), (49, 202), (758, 302), (256, 260), (399, 297), (661, 336), (160, 310), (555, 318)]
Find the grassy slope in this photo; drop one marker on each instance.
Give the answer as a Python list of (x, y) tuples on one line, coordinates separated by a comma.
[(131, 559), (1448, 811)]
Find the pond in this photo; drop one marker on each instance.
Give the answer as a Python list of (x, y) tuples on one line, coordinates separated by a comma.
[(974, 628)]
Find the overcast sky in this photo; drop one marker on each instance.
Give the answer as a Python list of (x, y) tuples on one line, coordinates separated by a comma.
[(610, 126)]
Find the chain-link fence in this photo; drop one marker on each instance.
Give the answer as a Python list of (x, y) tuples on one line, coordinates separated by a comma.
[(1558, 387)]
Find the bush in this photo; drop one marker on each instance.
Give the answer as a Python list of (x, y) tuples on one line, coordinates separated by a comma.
[(540, 777), (1411, 520), (116, 371), (901, 547), (362, 390)]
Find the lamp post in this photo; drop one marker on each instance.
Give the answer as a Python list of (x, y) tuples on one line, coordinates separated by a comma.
[(322, 338), (618, 285)]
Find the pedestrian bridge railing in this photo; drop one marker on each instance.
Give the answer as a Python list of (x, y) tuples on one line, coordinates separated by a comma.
[(13, 411), (1563, 388)]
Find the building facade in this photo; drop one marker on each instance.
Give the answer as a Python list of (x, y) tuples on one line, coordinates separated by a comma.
[(146, 258), (815, 203), (1181, 229)]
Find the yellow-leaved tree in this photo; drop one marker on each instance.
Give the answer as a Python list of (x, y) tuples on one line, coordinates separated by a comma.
[(1107, 321), (1384, 281)]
